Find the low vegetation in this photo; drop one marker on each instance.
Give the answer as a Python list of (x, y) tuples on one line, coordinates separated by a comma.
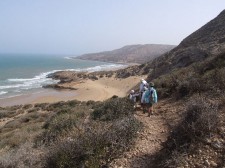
[(197, 136), (67, 134), (204, 77)]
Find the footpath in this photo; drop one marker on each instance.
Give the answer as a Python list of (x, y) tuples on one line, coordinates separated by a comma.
[(149, 141)]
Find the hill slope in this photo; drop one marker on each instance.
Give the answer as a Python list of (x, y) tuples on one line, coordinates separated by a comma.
[(206, 42), (130, 53)]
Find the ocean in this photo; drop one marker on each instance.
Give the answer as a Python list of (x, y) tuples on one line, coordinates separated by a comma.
[(25, 74)]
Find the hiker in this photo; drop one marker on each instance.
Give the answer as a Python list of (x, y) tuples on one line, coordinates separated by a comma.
[(150, 98), (133, 97), (142, 85), (143, 102)]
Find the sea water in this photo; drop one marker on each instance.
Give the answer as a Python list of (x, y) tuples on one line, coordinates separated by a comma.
[(23, 74)]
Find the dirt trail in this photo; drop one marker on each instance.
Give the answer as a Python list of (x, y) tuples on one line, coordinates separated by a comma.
[(148, 142)]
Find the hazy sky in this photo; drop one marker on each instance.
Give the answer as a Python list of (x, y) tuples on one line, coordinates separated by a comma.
[(74, 27)]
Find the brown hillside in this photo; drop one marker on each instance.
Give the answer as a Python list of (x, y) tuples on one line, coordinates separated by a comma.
[(130, 54), (206, 42)]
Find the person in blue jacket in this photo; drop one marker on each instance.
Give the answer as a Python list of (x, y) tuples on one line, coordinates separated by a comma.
[(150, 98)]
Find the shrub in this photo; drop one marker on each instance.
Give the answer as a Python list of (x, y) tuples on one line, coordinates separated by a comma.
[(59, 124), (200, 121), (29, 117), (176, 160), (96, 147), (13, 139), (90, 102), (41, 105), (72, 103), (33, 110), (6, 113), (112, 109), (13, 124), (27, 106), (23, 156)]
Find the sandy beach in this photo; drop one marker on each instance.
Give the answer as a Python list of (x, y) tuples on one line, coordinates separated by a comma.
[(87, 89)]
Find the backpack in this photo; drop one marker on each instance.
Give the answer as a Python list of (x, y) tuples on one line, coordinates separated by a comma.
[(152, 95)]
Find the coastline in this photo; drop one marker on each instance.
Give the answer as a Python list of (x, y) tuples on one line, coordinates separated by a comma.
[(83, 86), (86, 89), (122, 63), (45, 96)]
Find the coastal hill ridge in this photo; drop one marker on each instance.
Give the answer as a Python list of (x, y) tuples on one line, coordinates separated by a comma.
[(130, 53)]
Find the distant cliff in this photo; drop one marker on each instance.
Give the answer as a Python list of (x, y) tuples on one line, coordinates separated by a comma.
[(130, 54)]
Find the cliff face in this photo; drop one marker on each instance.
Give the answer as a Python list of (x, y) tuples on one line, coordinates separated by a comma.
[(130, 54), (206, 42)]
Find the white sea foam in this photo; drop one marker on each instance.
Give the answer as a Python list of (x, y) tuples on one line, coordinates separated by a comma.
[(3, 92), (68, 58), (98, 68), (11, 96), (18, 85), (105, 67), (29, 83)]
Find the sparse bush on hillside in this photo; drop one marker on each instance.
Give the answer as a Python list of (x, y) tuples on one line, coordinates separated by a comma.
[(60, 124), (6, 113), (112, 109), (109, 74), (69, 136), (91, 102), (13, 139), (201, 120), (41, 105), (55, 106), (72, 103), (208, 77), (96, 147), (35, 109), (23, 157), (27, 106), (63, 106), (13, 124), (220, 79)]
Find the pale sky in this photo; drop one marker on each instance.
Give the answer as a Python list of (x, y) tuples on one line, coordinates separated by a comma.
[(74, 27)]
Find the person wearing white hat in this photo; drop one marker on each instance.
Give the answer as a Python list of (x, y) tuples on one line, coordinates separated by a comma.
[(133, 97), (142, 89), (142, 85)]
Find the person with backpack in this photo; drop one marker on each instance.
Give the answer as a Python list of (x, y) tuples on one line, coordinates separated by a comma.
[(150, 98), (142, 88), (143, 102)]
